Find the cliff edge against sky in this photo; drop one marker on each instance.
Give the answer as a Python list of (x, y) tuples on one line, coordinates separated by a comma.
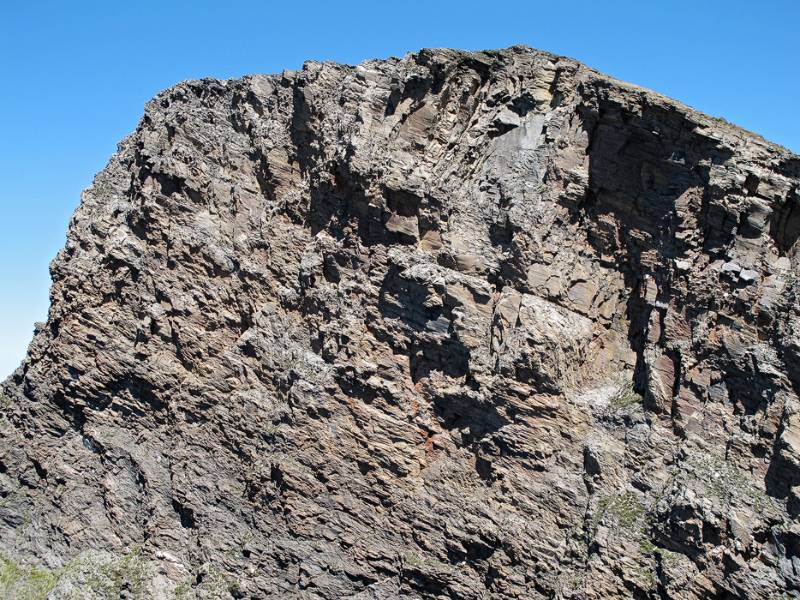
[(457, 325)]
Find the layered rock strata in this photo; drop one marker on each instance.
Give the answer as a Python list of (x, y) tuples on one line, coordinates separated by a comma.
[(457, 325)]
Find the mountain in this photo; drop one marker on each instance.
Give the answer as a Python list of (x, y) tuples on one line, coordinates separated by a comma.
[(458, 325)]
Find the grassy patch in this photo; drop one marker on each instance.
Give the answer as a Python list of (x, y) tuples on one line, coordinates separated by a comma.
[(182, 591), (426, 563), (646, 575), (129, 572), (625, 509), (727, 481), (648, 547), (105, 578), (102, 575), (24, 582), (572, 582), (216, 584), (626, 397)]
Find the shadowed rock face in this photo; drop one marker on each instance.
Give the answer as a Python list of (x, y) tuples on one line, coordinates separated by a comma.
[(461, 325)]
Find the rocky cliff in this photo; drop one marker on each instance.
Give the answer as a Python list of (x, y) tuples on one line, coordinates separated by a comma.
[(458, 325)]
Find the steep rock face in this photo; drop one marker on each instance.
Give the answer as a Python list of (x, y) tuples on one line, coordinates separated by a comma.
[(461, 325)]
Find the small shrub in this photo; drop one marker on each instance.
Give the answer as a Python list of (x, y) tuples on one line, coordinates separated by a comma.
[(625, 397), (182, 591)]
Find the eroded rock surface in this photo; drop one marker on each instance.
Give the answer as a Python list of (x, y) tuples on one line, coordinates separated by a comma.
[(461, 325)]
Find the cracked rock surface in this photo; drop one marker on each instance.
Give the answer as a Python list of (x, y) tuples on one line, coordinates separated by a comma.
[(457, 325)]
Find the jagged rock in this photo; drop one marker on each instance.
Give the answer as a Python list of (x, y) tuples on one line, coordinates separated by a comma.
[(458, 325)]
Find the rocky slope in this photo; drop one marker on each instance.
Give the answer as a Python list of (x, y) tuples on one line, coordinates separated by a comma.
[(461, 325)]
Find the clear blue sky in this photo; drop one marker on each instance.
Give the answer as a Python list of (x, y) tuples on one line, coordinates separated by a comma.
[(74, 77)]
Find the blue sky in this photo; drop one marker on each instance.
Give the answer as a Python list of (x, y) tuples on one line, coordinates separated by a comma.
[(74, 77)]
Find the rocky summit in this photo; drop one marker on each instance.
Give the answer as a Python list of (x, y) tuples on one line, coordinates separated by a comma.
[(463, 325)]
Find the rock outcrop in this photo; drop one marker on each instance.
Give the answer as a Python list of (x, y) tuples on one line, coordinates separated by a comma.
[(458, 325)]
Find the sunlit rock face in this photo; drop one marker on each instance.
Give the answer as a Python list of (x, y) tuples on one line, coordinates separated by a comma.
[(458, 325)]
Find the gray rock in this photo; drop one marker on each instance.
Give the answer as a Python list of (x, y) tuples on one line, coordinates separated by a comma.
[(748, 275)]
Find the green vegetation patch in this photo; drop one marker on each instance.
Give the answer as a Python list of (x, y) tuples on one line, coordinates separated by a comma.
[(728, 482), (626, 397), (182, 591), (86, 576), (25, 582), (129, 572), (648, 547), (99, 575), (625, 509), (426, 563)]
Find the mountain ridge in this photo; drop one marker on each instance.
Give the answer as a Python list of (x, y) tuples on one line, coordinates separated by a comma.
[(456, 325)]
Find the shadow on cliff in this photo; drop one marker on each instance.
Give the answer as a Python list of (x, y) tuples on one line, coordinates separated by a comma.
[(338, 201), (639, 168)]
